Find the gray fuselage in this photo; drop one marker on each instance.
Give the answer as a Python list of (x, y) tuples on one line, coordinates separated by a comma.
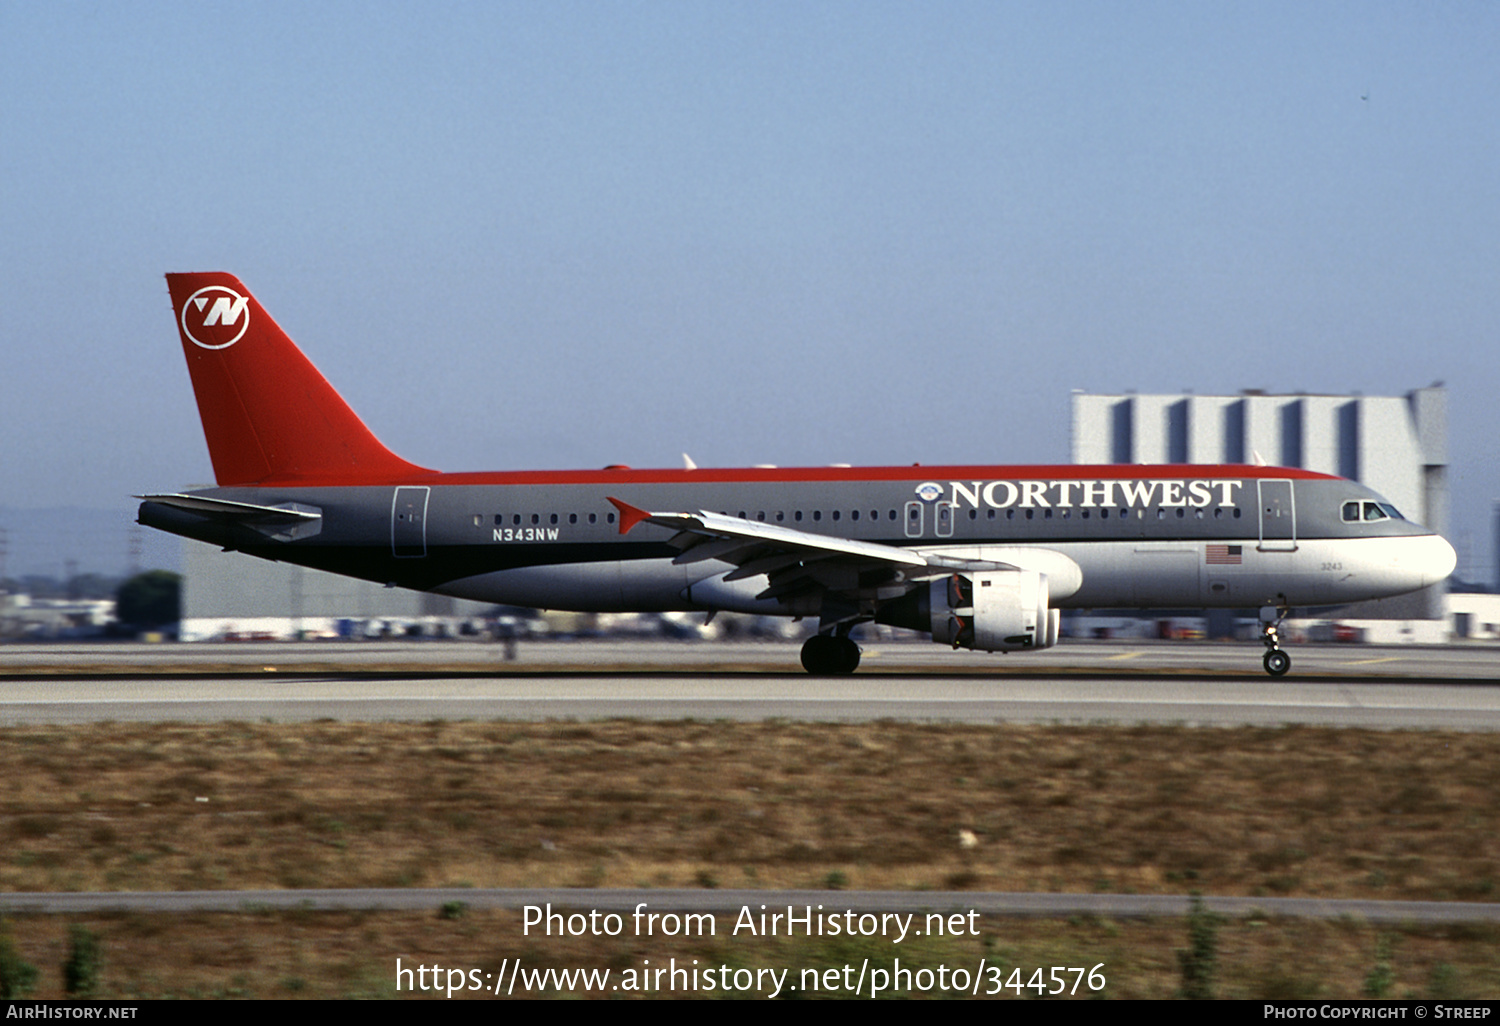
[(1113, 536)]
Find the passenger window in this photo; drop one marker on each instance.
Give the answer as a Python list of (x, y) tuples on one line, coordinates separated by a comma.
[(572, 518), (593, 518)]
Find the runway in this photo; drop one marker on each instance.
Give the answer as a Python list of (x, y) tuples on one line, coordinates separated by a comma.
[(1113, 682)]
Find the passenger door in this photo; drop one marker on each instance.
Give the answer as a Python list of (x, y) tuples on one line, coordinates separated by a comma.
[(1278, 516)]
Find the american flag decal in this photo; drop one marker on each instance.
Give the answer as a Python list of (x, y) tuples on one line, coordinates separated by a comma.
[(1222, 555)]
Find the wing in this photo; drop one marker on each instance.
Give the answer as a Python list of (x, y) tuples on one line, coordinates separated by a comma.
[(856, 576)]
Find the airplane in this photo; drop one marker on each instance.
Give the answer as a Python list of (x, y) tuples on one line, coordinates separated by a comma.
[(978, 557)]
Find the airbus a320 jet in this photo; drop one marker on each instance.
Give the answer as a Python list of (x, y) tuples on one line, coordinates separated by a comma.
[(978, 557)]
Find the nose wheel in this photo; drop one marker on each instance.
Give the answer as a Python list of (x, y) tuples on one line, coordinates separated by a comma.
[(829, 655), (1275, 660)]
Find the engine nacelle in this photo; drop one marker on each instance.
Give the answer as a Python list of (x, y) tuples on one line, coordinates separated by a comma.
[(993, 611)]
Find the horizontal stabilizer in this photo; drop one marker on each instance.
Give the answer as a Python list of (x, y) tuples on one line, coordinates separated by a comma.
[(286, 522), (224, 507)]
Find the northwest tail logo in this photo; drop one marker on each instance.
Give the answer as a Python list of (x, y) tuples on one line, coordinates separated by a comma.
[(215, 317)]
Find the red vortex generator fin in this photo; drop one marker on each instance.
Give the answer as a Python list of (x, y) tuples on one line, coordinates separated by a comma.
[(629, 515), (268, 415)]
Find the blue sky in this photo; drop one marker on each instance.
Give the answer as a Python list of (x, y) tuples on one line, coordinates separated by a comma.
[(566, 235)]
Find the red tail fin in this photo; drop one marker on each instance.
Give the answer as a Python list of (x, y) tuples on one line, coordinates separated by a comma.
[(269, 416)]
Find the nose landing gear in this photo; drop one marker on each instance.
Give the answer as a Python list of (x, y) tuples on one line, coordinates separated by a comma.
[(1275, 660)]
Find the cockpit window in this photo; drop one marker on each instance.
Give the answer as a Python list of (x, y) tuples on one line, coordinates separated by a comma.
[(1355, 511)]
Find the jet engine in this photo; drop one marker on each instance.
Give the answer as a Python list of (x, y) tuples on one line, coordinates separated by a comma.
[(993, 611)]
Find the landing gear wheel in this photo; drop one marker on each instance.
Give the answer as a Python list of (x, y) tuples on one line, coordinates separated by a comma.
[(817, 654), (828, 655), (1275, 661)]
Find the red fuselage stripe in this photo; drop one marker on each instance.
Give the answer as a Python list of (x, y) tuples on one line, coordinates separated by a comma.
[(778, 475)]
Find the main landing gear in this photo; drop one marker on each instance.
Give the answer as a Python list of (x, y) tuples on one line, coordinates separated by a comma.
[(830, 655), (1275, 660)]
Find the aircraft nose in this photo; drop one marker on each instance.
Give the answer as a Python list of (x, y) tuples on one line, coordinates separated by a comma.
[(1424, 560), (1411, 563), (1438, 560)]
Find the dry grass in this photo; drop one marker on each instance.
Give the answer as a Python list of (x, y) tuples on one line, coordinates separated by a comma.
[(1295, 811)]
